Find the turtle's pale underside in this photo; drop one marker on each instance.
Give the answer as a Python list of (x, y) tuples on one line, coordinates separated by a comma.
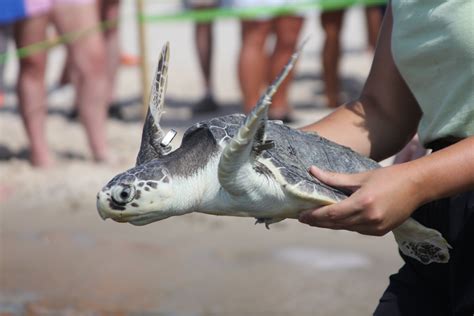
[(240, 166)]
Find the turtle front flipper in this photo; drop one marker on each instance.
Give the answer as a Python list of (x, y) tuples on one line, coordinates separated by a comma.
[(154, 145), (421, 243), (249, 140)]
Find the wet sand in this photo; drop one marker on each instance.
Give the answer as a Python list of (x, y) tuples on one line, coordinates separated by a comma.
[(57, 257)]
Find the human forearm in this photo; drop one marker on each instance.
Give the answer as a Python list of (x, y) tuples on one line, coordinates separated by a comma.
[(385, 116), (384, 198), (344, 126), (444, 173), (362, 126)]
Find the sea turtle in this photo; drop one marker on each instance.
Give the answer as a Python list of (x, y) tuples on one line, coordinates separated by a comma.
[(240, 166)]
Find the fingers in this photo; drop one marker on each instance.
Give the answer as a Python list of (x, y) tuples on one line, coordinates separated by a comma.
[(348, 216), (335, 216), (350, 182), (346, 224), (330, 213), (359, 212)]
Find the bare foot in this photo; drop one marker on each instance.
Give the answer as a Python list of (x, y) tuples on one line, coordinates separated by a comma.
[(102, 157), (111, 160), (41, 159)]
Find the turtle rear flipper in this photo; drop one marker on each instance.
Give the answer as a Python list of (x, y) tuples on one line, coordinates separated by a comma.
[(421, 243), (414, 240)]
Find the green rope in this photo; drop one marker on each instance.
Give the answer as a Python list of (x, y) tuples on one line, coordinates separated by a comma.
[(63, 39)]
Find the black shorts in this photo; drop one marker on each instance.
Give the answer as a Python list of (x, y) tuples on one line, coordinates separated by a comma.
[(437, 289)]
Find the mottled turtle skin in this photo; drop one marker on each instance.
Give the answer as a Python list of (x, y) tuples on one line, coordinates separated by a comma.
[(238, 165)]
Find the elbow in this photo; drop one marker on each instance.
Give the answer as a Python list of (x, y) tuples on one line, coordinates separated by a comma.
[(389, 126)]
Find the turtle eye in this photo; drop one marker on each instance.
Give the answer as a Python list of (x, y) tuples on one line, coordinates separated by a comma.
[(123, 193)]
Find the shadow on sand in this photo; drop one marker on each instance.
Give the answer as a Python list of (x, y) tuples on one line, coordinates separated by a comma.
[(7, 154), (129, 110), (351, 86)]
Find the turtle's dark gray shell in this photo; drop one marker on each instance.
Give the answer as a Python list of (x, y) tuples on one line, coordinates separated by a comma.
[(293, 153), (222, 128)]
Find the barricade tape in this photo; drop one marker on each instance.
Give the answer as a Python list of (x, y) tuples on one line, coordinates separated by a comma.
[(62, 39), (202, 15)]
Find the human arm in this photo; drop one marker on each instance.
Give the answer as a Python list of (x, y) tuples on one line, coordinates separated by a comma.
[(386, 197), (385, 116), (378, 124)]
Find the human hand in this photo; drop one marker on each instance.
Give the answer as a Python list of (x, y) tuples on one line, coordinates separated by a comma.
[(382, 199)]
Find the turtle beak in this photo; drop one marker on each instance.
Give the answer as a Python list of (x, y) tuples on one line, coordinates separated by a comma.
[(100, 206)]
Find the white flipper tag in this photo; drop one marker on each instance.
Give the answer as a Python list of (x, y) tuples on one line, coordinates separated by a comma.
[(168, 138)]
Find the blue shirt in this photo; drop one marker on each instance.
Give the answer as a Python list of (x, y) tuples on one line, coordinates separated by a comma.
[(11, 11)]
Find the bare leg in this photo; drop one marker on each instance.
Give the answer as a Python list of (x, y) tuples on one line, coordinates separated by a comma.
[(88, 58), (67, 75), (204, 43), (373, 15), (4, 34), (253, 61), (109, 11), (332, 24), (287, 32), (31, 88)]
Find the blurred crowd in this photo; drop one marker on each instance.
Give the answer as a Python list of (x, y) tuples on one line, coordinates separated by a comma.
[(93, 59)]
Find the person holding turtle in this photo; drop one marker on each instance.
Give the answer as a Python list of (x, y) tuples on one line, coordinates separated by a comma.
[(421, 80)]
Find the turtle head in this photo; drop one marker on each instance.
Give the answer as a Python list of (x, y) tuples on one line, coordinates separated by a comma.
[(138, 196), (143, 194)]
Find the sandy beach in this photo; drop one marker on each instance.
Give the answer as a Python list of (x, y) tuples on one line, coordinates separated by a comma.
[(57, 256)]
